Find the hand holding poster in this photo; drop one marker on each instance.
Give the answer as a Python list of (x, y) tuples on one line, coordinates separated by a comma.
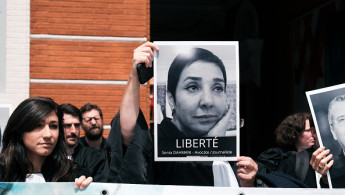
[(328, 109), (196, 101)]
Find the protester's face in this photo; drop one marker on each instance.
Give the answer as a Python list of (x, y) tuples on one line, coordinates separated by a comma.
[(306, 139), (200, 99), (92, 124), (71, 125), (41, 141), (338, 120), (313, 131)]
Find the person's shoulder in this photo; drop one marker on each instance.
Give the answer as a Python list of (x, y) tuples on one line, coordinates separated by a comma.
[(272, 153), (94, 150), (167, 129), (271, 158), (88, 151)]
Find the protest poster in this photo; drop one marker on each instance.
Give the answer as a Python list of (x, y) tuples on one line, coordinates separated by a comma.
[(327, 106), (196, 101)]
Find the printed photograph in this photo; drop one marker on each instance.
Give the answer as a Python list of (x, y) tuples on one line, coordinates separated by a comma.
[(328, 109), (196, 101)]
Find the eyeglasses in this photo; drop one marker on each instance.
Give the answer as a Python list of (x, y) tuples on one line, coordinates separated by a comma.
[(339, 121), (89, 119)]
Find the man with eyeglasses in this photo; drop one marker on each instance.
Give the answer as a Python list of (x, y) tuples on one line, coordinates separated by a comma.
[(92, 124), (95, 161)]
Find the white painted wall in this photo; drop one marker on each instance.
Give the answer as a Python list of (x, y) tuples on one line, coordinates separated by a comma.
[(2, 44), (15, 68)]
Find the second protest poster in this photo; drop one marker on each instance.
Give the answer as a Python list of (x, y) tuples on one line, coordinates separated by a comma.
[(196, 101)]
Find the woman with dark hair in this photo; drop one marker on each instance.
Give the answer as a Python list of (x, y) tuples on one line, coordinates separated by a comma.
[(196, 91), (295, 133), (34, 147)]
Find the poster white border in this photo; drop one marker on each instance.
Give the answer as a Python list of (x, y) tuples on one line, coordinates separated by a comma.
[(180, 46), (318, 103)]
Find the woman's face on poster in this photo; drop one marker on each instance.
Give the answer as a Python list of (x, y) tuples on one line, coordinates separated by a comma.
[(200, 98)]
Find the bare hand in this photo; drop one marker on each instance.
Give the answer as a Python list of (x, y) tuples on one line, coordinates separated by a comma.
[(220, 128), (144, 54), (247, 170), (321, 162), (82, 182)]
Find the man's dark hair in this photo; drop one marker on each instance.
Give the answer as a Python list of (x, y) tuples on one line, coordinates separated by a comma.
[(87, 107), (70, 109)]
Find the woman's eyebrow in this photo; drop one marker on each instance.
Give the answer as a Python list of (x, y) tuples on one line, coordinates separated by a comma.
[(200, 78), (218, 80), (193, 78)]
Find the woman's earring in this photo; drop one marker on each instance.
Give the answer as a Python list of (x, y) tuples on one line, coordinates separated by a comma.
[(241, 123)]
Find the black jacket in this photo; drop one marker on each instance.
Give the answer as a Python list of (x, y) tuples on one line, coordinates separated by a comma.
[(95, 161), (305, 172)]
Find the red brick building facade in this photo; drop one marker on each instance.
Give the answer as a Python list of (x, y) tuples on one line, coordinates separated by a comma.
[(81, 50)]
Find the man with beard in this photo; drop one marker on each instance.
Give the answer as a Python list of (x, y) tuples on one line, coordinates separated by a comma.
[(95, 161), (92, 124)]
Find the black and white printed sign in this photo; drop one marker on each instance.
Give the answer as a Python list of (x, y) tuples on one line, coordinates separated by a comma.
[(327, 106), (196, 101)]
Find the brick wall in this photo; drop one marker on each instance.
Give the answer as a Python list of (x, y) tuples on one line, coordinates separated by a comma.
[(118, 18), (72, 50), (59, 59)]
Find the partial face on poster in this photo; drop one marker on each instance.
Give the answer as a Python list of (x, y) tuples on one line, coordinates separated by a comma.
[(196, 101), (328, 109)]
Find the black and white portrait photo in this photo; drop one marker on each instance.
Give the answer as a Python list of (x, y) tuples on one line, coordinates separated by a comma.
[(196, 109), (328, 109)]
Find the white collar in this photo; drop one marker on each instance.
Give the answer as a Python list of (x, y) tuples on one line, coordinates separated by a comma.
[(35, 178)]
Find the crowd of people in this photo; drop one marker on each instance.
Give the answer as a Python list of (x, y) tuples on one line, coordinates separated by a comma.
[(42, 143)]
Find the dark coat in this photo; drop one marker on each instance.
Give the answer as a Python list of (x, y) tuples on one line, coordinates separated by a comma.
[(95, 161)]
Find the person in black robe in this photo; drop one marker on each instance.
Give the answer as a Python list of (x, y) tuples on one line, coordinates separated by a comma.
[(138, 158)]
